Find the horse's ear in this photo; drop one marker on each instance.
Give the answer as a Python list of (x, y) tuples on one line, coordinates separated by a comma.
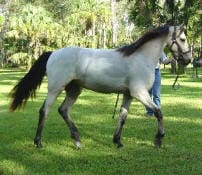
[(182, 27)]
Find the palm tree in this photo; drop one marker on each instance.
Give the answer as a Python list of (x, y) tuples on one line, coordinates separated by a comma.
[(32, 23)]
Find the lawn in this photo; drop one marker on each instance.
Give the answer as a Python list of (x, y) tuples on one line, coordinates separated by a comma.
[(181, 152)]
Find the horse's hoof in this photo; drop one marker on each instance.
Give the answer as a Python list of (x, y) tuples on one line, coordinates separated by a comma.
[(37, 143), (77, 144), (157, 144), (39, 146), (120, 145), (116, 140), (158, 140)]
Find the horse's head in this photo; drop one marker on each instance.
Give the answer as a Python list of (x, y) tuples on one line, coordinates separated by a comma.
[(178, 45)]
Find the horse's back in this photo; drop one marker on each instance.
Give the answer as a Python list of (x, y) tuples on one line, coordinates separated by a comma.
[(97, 69), (102, 70)]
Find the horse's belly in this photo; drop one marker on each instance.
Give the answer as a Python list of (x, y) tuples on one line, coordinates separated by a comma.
[(109, 87), (101, 75)]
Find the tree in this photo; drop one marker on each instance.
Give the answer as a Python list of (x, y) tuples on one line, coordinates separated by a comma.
[(3, 29), (32, 25), (113, 21)]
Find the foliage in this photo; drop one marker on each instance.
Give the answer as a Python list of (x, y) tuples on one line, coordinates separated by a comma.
[(32, 25), (76, 22), (161, 12), (181, 152), (2, 19), (18, 58), (40, 25)]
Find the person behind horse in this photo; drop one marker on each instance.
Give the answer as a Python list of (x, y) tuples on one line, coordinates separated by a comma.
[(155, 91)]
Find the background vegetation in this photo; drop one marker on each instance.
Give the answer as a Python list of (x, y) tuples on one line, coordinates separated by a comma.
[(30, 27)]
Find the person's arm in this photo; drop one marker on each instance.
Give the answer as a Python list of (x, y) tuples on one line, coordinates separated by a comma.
[(165, 60), (168, 61)]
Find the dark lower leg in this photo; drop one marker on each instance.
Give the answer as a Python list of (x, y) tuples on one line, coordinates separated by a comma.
[(123, 114), (73, 130), (144, 97), (160, 132), (117, 134), (37, 139)]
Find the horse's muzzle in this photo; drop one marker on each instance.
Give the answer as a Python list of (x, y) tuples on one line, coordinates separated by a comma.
[(186, 62), (183, 61)]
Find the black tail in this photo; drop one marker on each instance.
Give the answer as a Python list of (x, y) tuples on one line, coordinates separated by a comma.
[(27, 86)]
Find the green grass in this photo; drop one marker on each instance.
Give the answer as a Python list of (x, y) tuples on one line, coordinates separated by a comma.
[(181, 152)]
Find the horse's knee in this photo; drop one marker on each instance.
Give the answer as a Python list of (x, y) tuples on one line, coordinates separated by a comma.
[(123, 115), (158, 114)]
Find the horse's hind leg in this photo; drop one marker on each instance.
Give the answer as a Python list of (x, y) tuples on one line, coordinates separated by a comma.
[(127, 99), (43, 112), (72, 93)]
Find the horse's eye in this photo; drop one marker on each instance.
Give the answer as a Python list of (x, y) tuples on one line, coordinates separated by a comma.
[(182, 39)]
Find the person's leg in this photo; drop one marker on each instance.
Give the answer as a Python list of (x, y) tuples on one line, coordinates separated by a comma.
[(157, 88), (155, 92)]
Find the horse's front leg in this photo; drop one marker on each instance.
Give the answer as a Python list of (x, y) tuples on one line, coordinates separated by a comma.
[(122, 118), (144, 97), (160, 132)]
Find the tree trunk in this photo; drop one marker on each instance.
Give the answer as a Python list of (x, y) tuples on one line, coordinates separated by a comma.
[(104, 36), (113, 22)]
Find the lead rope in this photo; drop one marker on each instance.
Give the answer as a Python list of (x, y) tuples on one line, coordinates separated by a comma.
[(115, 107), (176, 85)]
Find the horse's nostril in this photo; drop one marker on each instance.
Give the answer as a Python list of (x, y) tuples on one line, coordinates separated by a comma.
[(187, 62)]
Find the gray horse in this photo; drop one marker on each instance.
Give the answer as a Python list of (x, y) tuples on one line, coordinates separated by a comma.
[(128, 70)]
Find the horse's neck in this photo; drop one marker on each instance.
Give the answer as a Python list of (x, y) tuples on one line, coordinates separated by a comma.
[(153, 50)]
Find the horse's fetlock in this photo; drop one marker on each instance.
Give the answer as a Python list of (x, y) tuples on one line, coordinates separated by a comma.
[(124, 111), (116, 139), (159, 135), (37, 142), (75, 135)]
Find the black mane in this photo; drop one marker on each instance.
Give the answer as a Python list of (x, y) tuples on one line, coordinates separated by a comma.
[(128, 50)]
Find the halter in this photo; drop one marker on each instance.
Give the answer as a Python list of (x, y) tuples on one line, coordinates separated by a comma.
[(176, 85), (179, 49)]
